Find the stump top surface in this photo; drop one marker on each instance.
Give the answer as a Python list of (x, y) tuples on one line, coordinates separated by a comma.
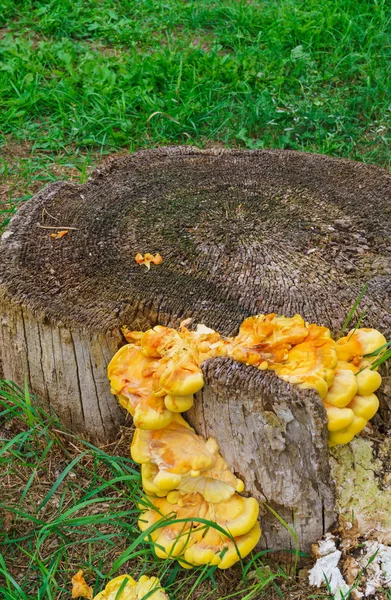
[(240, 232)]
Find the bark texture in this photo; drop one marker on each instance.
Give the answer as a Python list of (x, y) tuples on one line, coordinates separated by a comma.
[(240, 233), (274, 437)]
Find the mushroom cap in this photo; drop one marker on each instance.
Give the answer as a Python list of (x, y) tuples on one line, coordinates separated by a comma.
[(216, 484), (238, 516), (235, 514), (171, 539), (310, 364), (178, 404), (175, 449), (148, 474), (343, 389), (358, 343), (267, 336), (347, 366), (130, 373), (156, 342), (178, 374), (133, 590), (368, 381), (214, 549), (180, 459), (317, 332), (206, 341), (338, 418), (255, 329), (148, 412), (273, 329), (344, 436), (130, 370), (213, 489), (364, 406)]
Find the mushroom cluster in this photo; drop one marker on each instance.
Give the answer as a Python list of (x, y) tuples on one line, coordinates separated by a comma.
[(350, 401), (190, 489), (125, 587), (186, 533)]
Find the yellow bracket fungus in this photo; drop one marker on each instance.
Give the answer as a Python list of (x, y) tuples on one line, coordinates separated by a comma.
[(185, 478), (187, 537), (145, 587), (130, 373), (175, 457), (358, 343)]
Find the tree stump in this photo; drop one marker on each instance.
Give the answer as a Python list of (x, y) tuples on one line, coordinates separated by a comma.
[(240, 233)]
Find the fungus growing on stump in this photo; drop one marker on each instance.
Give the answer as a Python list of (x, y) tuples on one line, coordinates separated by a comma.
[(178, 458), (185, 478), (240, 233), (200, 532)]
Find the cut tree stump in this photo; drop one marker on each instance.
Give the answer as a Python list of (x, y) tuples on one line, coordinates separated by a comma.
[(240, 233)]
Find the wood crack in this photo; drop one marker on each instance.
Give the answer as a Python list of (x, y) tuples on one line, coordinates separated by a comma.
[(80, 398)]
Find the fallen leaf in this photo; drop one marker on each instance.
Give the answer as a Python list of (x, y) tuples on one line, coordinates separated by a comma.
[(80, 589), (351, 570), (7, 523), (59, 234)]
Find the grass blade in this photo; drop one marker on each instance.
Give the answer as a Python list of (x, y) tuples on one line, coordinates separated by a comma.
[(353, 310), (59, 481)]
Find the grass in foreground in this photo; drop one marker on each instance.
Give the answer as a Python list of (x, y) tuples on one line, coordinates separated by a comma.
[(67, 505), (82, 78)]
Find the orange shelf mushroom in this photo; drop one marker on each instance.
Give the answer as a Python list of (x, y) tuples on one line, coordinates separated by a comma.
[(310, 364), (358, 343), (185, 478), (269, 336), (145, 587), (147, 259), (130, 373), (177, 374), (185, 535), (177, 458)]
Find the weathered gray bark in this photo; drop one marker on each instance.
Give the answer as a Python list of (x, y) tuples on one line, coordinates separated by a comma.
[(275, 438), (240, 233)]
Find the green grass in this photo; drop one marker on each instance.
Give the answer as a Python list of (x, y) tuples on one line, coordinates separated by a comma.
[(80, 77), (67, 505)]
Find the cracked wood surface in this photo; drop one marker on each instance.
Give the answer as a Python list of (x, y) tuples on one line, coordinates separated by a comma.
[(274, 437), (240, 232)]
